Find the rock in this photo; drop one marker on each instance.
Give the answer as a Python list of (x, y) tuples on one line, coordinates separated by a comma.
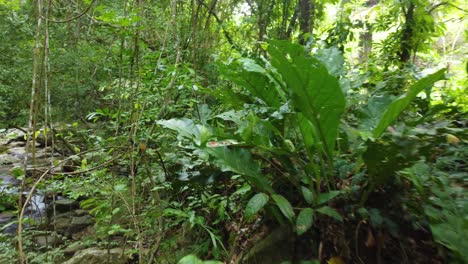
[(74, 247), (18, 152), (51, 239), (6, 222), (16, 144), (61, 223), (6, 217), (44, 153), (82, 220), (3, 148), (69, 224), (79, 223), (87, 232), (34, 171), (6, 159), (62, 206), (73, 163), (81, 212), (98, 256), (16, 135)]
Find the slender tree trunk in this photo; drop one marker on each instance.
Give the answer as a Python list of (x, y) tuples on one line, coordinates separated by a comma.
[(365, 38), (407, 35), (306, 19), (292, 23)]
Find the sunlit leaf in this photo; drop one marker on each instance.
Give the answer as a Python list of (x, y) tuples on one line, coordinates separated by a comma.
[(190, 259), (400, 104), (315, 92), (335, 260)]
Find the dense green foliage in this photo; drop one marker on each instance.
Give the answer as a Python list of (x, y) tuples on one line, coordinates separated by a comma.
[(260, 131)]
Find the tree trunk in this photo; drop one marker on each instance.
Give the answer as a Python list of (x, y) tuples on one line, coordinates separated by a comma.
[(365, 39), (407, 35), (307, 9)]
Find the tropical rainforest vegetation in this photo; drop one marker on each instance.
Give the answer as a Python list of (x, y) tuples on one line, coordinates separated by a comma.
[(233, 131)]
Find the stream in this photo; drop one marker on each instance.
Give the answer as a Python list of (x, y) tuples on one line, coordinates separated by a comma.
[(12, 154)]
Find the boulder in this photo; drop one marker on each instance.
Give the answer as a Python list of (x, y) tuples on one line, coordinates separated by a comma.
[(81, 212), (61, 223), (16, 144), (44, 152), (79, 223), (62, 206), (16, 135), (73, 163), (52, 239), (87, 232), (98, 256), (6, 159), (74, 247), (17, 152)]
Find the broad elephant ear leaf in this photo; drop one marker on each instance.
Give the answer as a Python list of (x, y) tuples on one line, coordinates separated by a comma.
[(240, 161), (249, 74), (187, 128), (314, 91), (396, 107)]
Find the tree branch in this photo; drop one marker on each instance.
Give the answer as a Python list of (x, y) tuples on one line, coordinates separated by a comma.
[(220, 22), (73, 18)]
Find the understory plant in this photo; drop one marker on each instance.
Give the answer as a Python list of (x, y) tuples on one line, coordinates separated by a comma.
[(285, 117)]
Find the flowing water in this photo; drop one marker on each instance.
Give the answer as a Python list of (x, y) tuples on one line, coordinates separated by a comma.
[(12, 155)]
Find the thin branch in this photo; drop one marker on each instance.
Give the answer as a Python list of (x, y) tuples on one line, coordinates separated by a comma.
[(73, 18), (446, 3), (220, 22)]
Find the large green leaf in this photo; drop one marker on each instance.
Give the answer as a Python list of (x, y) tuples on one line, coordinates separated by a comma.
[(307, 194), (284, 206), (187, 128), (255, 204), (326, 210), (192, 259), (325, 197), (309, 134), (304, 221), (370, 115), (315, 92), (397, 106), (249, 74), (240, 161)]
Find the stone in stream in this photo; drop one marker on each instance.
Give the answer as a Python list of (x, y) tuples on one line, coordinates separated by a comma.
[(62, 206), (79, 223), (7, 223), (16, 144), (48, 239), (15, 135), (18, 152), (7, 159), (74, 247), (73, 163), (98, 256)]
